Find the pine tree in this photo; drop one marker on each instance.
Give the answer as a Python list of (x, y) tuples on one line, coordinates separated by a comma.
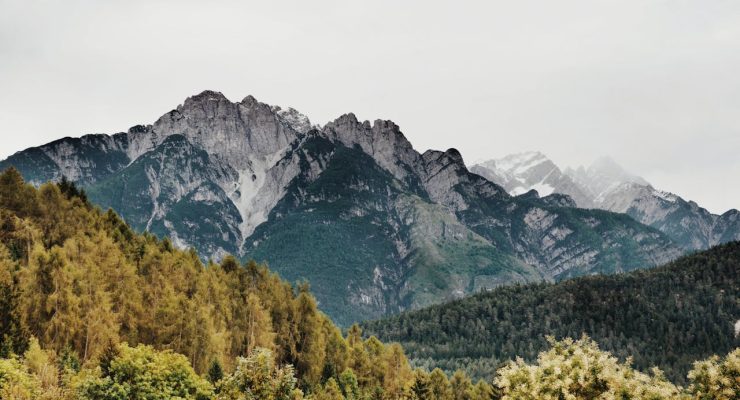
[(215, 372)]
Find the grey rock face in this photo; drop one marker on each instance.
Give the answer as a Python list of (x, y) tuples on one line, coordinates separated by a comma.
[(229, 130), (382, 140), (85, 159), (727, 227), (448, 181), (290, 116)]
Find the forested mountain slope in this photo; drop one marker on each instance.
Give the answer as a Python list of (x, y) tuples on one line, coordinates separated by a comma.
[(89, 310), (82, 282), (668, 316)]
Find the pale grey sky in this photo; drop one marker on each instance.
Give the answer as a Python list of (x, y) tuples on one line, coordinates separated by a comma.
[(653, 84)]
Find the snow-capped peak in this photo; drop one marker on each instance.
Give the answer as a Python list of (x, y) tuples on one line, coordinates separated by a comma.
[(667, 196), (520, 162), (522, 172)]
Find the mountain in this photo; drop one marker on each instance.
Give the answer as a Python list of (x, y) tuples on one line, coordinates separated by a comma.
[(375, 226), (666, 317), (602, 177), (607, 186)]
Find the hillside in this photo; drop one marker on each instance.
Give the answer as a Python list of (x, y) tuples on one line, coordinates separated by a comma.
[(261, 182), (81, 284), (667, 316)]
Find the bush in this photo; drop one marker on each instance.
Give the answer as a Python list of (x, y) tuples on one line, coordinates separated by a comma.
[(144, 373), (579, 370), (716, 379)]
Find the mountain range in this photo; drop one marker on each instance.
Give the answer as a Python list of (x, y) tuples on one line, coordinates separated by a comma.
[(373, 225), (606, 185)]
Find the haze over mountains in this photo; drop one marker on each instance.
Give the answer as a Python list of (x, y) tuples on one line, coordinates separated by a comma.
[(607, 186), (374, 225)]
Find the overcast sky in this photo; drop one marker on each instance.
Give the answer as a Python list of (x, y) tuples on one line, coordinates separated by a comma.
[(653, 84)]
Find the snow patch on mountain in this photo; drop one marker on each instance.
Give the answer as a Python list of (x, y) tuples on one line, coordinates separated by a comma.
[(516, 164), (543, 189), (519, 173), (299, 122), (667, 196)]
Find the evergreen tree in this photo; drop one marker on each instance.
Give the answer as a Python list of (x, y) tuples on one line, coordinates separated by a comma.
[(215, 372)]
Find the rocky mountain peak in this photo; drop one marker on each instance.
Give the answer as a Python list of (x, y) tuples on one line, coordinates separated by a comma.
[(455, 155), (606, 185), (384, 125), (205, 96), (383, 140), (249, 100), (602, 177), (139, 129), (344, 120), (235, 132), (299, 122), (350, 130)]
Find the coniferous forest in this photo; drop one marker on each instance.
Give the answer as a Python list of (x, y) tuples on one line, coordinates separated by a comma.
[(666, 317), (90, 309)]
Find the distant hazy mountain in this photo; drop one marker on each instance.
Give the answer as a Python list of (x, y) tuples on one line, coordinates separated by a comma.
[(602, 178), (606, 185), (372, 224)]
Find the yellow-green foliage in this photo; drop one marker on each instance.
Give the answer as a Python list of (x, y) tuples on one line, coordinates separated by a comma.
[(717, 378), (16, 382), (579, 370), (80, 279), (34, 376), (143, 373), (258, 377)]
